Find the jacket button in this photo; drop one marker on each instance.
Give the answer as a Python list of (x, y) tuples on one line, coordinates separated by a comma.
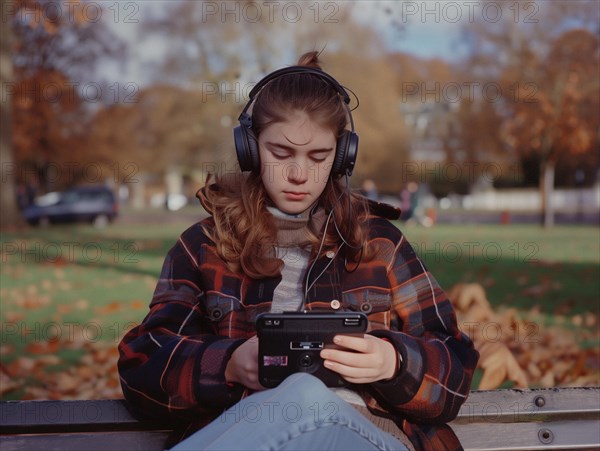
[(330, 254), (216, 313), (335, 304), (366, 307)]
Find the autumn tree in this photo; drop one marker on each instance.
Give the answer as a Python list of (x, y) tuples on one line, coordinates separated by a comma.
[(565, 117), (56, 49), (546, 72), (8, 203), (164, 126), (183, 119)]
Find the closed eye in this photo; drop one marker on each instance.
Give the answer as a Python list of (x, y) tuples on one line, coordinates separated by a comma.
[(280, 155), (319, 156), (283, 152)]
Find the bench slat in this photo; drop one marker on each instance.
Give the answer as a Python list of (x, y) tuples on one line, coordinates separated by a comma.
[(113, 441), (529, 436), (515, 406), (565, 418), (69, 416)]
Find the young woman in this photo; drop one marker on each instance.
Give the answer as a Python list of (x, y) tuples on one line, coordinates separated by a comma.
[(288, 235)]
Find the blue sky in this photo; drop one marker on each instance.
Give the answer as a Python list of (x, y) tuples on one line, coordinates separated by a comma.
[(430, 41), (429, 28), (425, 34)]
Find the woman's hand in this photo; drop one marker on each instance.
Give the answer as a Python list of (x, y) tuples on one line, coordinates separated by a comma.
[(374, 360), (243, 365)]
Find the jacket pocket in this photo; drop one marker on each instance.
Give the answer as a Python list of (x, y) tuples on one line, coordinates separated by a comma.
[(367, 300), (218, 306)]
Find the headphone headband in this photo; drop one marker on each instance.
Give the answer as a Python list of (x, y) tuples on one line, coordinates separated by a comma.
[(300, 70)]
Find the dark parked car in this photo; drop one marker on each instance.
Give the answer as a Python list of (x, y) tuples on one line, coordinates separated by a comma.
[(95, 204)]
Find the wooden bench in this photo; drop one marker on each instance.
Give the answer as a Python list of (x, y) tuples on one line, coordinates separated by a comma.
[(497, 419)]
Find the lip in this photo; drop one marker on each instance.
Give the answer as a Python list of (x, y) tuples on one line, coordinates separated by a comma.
[(293, 195)]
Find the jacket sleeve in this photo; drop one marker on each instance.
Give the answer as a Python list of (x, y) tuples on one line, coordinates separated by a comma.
[(173, 362), (437, 359)]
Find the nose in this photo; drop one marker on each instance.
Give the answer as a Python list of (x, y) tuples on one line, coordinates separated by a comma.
[(297, 171)]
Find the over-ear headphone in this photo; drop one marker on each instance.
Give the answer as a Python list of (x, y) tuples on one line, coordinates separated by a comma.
[(246, 144)]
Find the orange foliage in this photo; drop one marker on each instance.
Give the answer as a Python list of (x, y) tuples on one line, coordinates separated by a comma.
[(520, 351)]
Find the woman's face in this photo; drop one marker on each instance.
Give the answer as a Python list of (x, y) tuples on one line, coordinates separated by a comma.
[(296, 157)]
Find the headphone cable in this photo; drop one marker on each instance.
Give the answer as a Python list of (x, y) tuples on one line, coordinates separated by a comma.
[(344, 242), (308, 287)]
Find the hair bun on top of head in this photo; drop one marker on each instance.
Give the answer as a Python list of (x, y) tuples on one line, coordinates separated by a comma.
[(310, 59)]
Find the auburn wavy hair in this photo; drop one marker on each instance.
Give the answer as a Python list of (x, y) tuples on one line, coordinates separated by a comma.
[(244, 233)]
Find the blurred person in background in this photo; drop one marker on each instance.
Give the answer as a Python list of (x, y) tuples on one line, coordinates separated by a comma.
[(369, 190)]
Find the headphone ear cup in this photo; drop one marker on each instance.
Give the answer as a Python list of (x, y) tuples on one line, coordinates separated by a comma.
[(246, 148), (351, 153), (253, 150), (345, 154)]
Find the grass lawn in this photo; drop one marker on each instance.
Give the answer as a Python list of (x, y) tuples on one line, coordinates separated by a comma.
[(555, 272), (76, 283), (80, 274)]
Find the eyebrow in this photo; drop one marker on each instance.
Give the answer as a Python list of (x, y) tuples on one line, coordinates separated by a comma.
[(291, 149)]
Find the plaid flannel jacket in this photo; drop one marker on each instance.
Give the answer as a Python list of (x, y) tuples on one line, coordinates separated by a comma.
[(174, 362)]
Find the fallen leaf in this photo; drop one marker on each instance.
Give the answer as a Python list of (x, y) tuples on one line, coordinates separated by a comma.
[(137, 304), (64, 308), (13, 317), (113, 307), (590, 320), (33, 302), (66, 383), (526, 351), (548, 380), (81, 304), (536, 290)]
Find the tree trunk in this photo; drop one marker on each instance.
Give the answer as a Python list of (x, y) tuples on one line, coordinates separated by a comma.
[(546, 191), (9, 216)]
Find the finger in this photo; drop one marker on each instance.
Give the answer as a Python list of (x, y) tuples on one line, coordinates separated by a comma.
[(353, 359), (350, 371), (251, 381), (359, 344), (352, 365)]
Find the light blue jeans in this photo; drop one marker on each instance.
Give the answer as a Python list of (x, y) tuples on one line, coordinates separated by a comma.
[(300, 414)]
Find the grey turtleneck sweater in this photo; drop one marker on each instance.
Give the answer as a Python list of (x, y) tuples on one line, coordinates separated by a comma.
[(293, 247)]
